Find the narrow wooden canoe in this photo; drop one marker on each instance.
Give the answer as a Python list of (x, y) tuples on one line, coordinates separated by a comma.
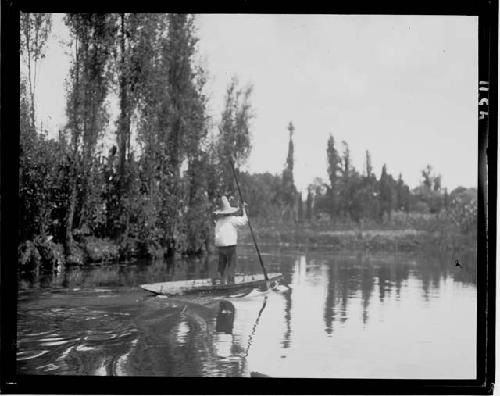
[(207, 285)]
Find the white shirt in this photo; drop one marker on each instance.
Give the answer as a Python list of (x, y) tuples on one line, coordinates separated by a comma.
[(225, 229)]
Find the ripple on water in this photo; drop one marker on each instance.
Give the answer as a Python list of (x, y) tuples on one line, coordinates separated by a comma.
[(51, 339), (55, 343), (99, 337), (34, 354), (65, 353), (120, 364), (37, 334), (85, 348), (48, 367)]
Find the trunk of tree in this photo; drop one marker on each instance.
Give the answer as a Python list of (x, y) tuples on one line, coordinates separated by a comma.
[(309, 206), (333, 203), (34, 81), (73, 182), (191, 236), (174, 185), (124, 136), (86, 137), (300, 211), (71, 211), (177, 93), (32, 97)]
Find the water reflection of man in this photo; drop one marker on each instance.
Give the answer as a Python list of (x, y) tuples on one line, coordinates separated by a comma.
[(224, 323), (225, 318), (226, 237)]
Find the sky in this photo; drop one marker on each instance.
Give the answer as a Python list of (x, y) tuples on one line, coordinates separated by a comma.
[(402, 87)]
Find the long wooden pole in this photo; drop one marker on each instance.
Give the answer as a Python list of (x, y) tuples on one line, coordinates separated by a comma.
[(249, 224)]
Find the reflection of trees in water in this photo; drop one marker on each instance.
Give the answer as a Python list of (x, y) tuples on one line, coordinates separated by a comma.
[(32, 281), (287, 337), (133, 273), (468, 271), (187, 338), (159, 352), (367, 284), (284, 268), (121, 274), (384, 282), (329, 311), (353, 274), (432, 269), (346, 277), (401, 273), (344, 288), (177, 343)]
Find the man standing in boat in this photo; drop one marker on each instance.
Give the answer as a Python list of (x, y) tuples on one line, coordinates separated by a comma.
[(227, 220)]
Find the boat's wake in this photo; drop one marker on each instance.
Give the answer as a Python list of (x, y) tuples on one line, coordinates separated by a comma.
[(257, 292)]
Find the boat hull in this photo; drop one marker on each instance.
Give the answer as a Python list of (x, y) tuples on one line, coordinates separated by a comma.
[(209, 285)]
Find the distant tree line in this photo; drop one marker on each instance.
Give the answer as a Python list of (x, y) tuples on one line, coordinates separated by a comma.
[(350, 195)]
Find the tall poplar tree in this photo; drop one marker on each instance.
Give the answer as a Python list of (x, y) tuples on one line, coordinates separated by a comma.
[(87, 88), (175, 121), (333, 168), (197, 203), (370, 201), (309, 204), (368, 164), (289, 191), (300, 210), (385, 193), (35, 30), (427, 175), (35, 203), (400, 193), (345, 190), (138, 85)]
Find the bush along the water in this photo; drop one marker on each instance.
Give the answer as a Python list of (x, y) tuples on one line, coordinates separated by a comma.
[(463, 211), (76, 255), (52, 254), (29, 257), (42, 254), (100, 250)]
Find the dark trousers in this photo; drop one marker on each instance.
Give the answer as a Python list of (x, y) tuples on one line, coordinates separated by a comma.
[(227, 262)]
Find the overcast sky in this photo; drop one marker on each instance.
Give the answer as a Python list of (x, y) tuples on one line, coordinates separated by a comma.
[(402, 87)]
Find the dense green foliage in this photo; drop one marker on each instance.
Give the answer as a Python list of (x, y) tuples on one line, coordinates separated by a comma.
[(158, 197)]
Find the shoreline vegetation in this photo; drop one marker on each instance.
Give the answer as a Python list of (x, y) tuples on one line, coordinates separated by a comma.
[(405, 233), (341, 240), (145, 184), (426, 232)]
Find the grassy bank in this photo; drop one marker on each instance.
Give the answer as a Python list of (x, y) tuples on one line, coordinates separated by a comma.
[(400, 234)]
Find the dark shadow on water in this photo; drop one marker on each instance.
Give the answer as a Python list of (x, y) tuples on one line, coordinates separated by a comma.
[(224, 322)]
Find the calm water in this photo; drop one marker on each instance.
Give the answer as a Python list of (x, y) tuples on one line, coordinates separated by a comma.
[(349, 316)]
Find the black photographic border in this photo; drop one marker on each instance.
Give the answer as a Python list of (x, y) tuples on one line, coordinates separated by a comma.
[(11, 382)]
